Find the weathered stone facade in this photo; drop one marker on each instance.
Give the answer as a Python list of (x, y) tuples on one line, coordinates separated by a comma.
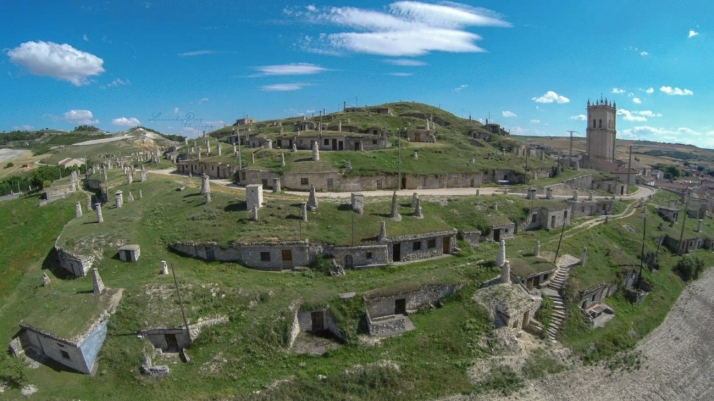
[(361, 256), (405, 248), (212, 169), (78, 265), (261, 256)]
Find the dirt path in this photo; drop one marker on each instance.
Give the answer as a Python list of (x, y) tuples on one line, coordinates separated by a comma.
[(678, 361)]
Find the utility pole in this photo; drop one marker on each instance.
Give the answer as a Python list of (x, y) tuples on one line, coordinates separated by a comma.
[(570, 154), (629, 169), (555, 260), (642, 253), (399, 166), (353, 228), (240, 162), (684, 220), (183, 312)]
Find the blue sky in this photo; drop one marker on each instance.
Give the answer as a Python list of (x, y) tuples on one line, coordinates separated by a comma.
[(184, 66)]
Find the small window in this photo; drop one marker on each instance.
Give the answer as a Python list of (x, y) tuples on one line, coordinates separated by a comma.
[(379, 184), (565, 214), (369, 255), (533, 218), (326, 142), (65, 354), (431, 243), (265, 256), (600, 124), (416, 245), (374, 142), (304, 181)]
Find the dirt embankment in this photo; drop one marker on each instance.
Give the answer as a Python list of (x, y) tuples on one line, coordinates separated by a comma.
[(678, 360)]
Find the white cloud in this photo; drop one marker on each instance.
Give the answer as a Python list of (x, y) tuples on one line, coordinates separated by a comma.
[(507, 114), (618, 91), (85, 37), (648, 113), (82, 117), (283, 87), (202, 100), (535, 121), (551, 97), (176, 110), (63, 62), (649, 91), (644, 54), (405, 62), (676, 91), (692, 33), (196, 53), (401, 74), (680, 135), (636, 100), (406, 28), (24, 127), (461, 87), (518, 131), (630, 116), (126, 122), (579, 117), (290, 69)]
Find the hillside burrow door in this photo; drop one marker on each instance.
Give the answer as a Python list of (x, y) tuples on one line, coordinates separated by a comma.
[(210, 254), (396, 252), (400, 306), (404, 183), (171, 343), (446, 247), (318, 320), (334, 144), (287, 258), (349, 262), (497, 235)]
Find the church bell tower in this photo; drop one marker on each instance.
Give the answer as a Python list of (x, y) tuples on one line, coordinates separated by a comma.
[(601, 130)]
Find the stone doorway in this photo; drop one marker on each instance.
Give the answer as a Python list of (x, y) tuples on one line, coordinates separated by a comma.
[(318, 320), (497, 235), (349, 262), (396, 252), (210, 254), (330, 184), (446, 246), (400, 306), (171, 343), (404, 183), (334, 144)]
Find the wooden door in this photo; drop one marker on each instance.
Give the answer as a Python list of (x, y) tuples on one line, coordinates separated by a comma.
[(446, 248), (349, 262), (396, 252), (287, 258), (334, 144), (210, 254), (400, 306)]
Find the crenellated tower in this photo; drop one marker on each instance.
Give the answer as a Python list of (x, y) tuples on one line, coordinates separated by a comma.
[(601, 130)]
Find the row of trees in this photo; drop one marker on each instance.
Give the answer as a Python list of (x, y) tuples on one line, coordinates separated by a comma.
[(38, 178)]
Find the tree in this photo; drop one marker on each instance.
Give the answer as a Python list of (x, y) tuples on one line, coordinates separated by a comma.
[(690, 267)]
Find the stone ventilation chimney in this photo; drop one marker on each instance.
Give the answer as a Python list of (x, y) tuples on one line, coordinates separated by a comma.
[(575, 195), (415, 196), (506, 273), (282, 160), (699, 225), (255, 213), (501, 255), (382, 236), (315, 152), (97, 281), (590, 195), (98, 208), (164, 268), (583, 256), (45, 280), (78, 210), (276, 185), (312, 199), (536, 250), (303, 211), (205, 184), (394, 214), (417, 210)]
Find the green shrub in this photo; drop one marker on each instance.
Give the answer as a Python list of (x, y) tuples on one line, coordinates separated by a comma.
[(9, 164), (690, 267), (545, 314)]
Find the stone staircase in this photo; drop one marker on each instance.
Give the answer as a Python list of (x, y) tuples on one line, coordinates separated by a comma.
[(553, 290)]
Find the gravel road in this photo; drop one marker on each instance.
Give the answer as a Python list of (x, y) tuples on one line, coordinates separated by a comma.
[(7, 155)]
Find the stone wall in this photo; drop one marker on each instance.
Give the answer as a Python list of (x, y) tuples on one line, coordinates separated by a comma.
[(596, 295), (409, 250), (363, 256), (261, 256), (551, 219), (212, 169), (385, 305), (304, 320), (590, 208), (387, 326), (470, 237), (157, 337), (78, 265)]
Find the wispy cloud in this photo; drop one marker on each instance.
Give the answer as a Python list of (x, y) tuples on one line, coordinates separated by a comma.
[(508, 114), (85, 38), (551, 97), (196, 53), (579, 117), (649, 91), (618, 91), (644, 54), (461, 87), (126, 122), (692, 33), (24, 127), (289, 69), (283, 87), (401, 74), (535, 121), (636, 100), (637, 115), (115, 83), (675, 91), (406, 28), (679, 135), (62, 62), (405, 62), (202, 100)]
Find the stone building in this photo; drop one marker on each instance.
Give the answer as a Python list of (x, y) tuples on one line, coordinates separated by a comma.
[(56, 192), (334, 141), (601, 130), (422, 135), (129, 253), (387, 309), (531, 272), (315, 321), (670, 214), (588, 208), (405, 248), (78, 265), (68, 332), (258, 255), (211, 168), (501, 227), (549, 217), (361, 256), (511, 306)]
